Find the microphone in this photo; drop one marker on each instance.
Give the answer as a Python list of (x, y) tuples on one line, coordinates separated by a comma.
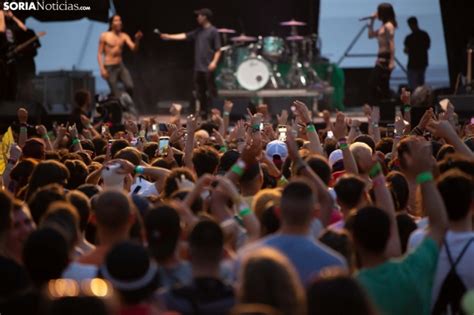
[(365, 18)]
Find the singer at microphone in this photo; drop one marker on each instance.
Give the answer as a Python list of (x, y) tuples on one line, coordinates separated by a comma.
[(379, 81)]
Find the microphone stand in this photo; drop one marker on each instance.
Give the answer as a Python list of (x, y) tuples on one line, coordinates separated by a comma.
[(353, 42)]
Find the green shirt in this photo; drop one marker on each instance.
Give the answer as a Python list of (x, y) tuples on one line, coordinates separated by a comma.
[(403, 286)]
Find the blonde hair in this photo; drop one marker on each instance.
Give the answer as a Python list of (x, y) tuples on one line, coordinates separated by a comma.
[(261, 199), (267, 277)]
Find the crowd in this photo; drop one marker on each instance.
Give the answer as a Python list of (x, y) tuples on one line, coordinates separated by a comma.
[(269, 216)]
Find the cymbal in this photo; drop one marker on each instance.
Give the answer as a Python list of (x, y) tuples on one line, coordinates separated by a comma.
[(292, 23), (294, 38), (226, 31), (243, 38)]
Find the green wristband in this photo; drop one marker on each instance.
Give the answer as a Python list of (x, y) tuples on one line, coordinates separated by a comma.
[(245, 212), (75, 141), (375, 170), (310, 128), (226, 113), (424, 177), (237, 170), (407, 108), (139, 169), (23, 129), (46, 136), (343, 146), (223, 149)]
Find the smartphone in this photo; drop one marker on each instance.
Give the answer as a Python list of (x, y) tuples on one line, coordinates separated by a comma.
[(103, 129), (163, 144), (330, 134), (163, 127), (261, 127), (154, 127), (282, 133), (444, 104)]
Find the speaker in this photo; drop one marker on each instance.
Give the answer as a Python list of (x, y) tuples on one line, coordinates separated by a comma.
[(56, 89)]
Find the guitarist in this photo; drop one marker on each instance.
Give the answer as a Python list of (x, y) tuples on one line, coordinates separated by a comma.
[(8, 72)]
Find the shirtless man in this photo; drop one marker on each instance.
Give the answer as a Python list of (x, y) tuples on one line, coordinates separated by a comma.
[(379, 82), (111, 45)]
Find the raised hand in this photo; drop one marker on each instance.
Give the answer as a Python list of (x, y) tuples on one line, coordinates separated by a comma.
[(228, 106), (426, 118), (191, 124), (138, 35), (41, 130), (421, 153), (283, 117), (302, 112), (340, 127), (22, 115), (441, 128)]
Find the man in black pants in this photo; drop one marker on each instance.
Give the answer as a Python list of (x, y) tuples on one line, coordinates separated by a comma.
[(416, 47), (207, 46)]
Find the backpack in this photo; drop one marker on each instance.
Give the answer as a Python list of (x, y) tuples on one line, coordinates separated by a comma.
[(453, 289)]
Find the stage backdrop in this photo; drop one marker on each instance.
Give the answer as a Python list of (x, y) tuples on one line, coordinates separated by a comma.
[(163, 70)]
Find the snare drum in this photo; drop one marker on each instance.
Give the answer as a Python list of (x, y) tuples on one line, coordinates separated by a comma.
[(253, 74), (273, 47)]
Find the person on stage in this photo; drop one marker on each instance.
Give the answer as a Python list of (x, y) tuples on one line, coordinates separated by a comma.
[(10, 27), (416, 47), (109, 56), (207, 52), (379, 82)]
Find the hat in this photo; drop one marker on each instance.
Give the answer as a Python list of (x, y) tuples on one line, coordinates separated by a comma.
[(277, 147), (129, 268), (335, 156), (204, 11)]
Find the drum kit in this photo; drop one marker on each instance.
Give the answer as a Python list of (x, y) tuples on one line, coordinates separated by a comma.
[(252, 63)]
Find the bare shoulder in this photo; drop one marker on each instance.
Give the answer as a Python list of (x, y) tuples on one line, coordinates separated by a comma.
[(389, 27), (124, 35), (104, 35)]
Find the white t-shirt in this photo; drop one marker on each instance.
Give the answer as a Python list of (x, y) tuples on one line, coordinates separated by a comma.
[(143, 187), (465, 269)]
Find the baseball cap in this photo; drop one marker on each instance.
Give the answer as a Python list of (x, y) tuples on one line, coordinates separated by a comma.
[(277, 147), (335, 156), (204, 11)]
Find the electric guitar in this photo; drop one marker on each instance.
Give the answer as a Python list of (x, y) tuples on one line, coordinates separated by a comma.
[(13, 52)]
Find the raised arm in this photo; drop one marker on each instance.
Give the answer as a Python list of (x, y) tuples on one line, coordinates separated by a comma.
[(313, 137), (18, 22), (324, 198), (350, 165), (372, 33), (191, 126), (445, 130), (384, 201), (179, 36), (134, 45), (433, 204), (2, 21)]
